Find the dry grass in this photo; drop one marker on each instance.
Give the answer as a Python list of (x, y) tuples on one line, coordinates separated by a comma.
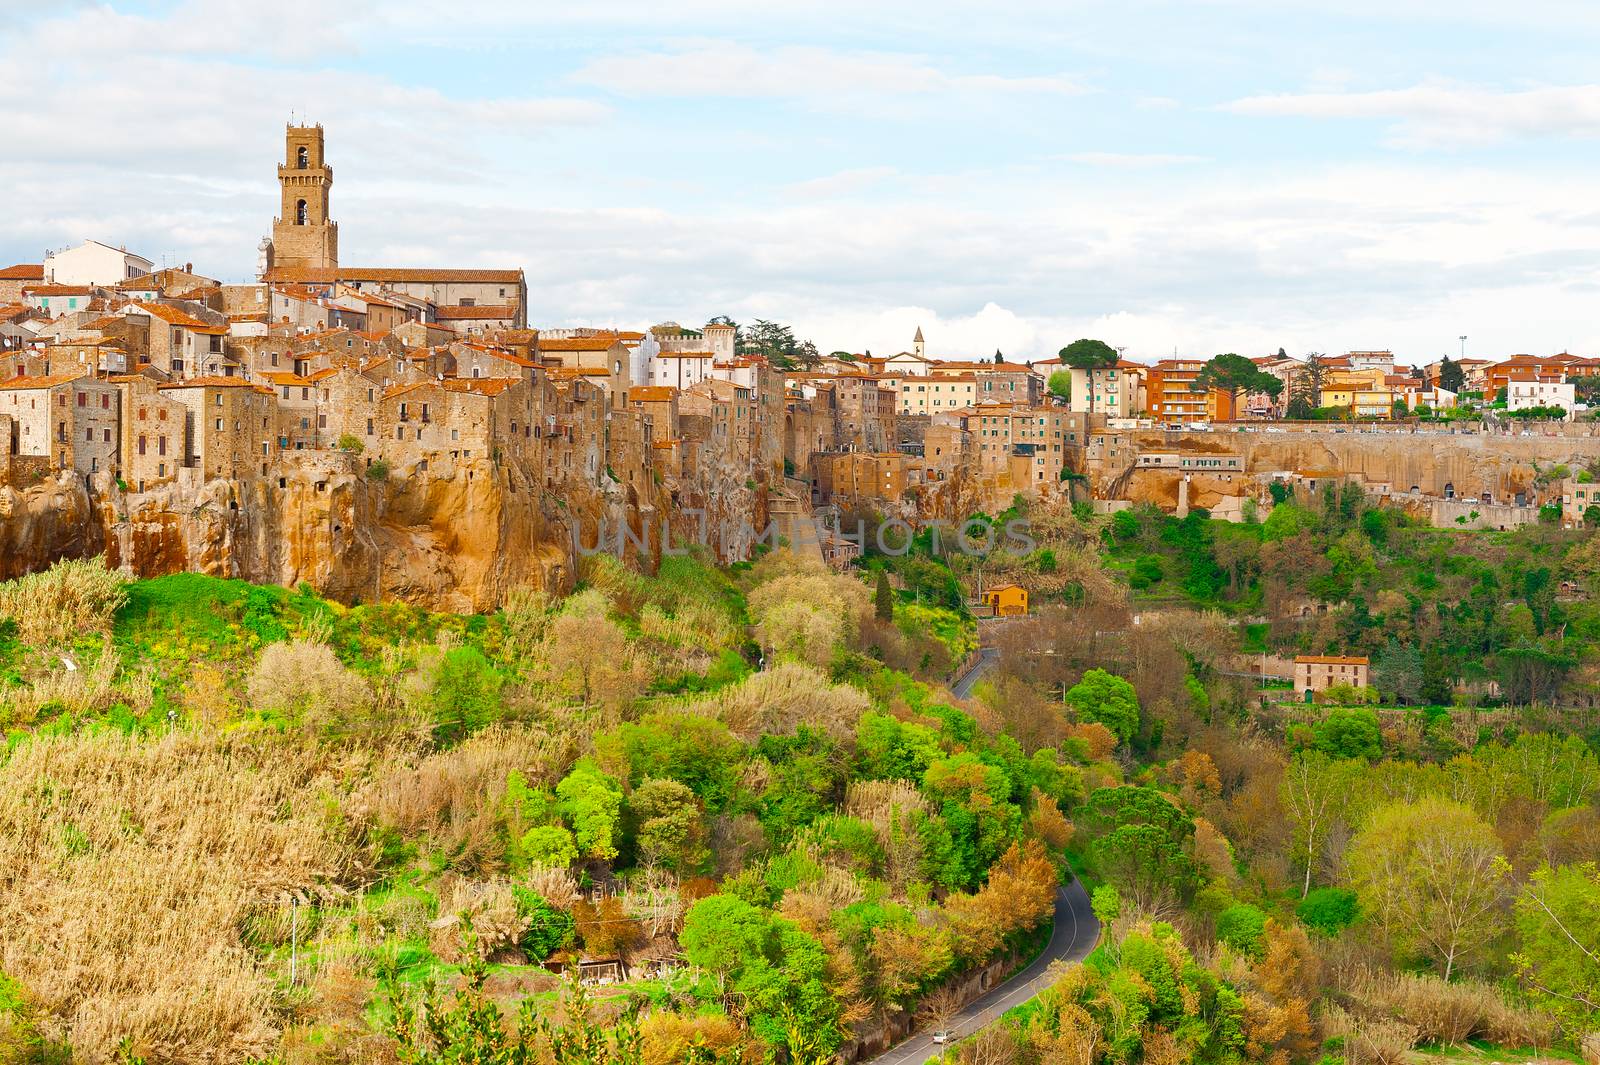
[(454, 795), (82, 688), (127, 868), (1370, 1040), (475, 918), (783, 698), (70, 599), (1589, 1045), (1448, 1013)]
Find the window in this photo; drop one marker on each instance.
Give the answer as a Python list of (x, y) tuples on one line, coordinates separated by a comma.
[(83, 400), (300, 213), (161, 446), (301, 158)]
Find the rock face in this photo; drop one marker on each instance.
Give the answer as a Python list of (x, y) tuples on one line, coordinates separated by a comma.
[(50, 519), (1434, 464), (457, 537)]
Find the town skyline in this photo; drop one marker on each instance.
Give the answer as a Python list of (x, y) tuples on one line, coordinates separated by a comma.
[(996, 192)]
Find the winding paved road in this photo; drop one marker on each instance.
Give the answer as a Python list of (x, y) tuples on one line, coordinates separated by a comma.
[(987, 657), (1074, 935)]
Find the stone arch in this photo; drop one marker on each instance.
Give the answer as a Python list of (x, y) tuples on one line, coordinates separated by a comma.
[(302, 158), (300, 212)]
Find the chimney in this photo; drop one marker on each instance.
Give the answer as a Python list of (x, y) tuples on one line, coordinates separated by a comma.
[(188, 268)]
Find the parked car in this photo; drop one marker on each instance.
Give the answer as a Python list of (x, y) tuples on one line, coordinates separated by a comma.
[(944, 1035)]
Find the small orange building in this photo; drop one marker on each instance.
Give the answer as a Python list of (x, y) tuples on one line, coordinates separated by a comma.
[(1006, 600)]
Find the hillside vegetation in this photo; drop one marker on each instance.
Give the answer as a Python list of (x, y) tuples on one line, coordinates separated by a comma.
[(242, 823)]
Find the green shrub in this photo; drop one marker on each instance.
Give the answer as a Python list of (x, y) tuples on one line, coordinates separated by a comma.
[(378, 471), (1329, 910), (1242, 927)]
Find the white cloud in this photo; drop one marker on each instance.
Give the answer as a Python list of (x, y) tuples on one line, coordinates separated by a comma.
[(1443, 115), (731, 69), (1134, 160)]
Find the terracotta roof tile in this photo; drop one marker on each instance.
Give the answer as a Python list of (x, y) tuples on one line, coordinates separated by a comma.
[(23, 272), (490, 312)]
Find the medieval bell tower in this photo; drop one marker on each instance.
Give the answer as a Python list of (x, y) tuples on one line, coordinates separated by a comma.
[(302, 234)]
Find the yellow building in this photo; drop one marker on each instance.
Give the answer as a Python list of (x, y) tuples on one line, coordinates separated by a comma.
[(1006, 600)]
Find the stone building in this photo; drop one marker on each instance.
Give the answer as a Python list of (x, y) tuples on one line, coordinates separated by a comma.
[(1317, 673), (229, 426), (183, 344), (14, 279), (70, 420), (154, 432), (304, 234)]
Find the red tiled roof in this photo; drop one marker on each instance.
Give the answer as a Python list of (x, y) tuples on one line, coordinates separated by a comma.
[(486, 312), (20, 383), (23, 272), (603, 342), (180, 318), (327, 275)]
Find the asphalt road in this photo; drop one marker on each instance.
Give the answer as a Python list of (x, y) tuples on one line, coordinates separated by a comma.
[(987, 657), (1071, 939)]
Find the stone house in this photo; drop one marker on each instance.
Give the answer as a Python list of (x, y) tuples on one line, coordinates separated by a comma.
[(69, 419), (1318, 673), (154, 432), (183, 343), (14, 279), (229, 425)]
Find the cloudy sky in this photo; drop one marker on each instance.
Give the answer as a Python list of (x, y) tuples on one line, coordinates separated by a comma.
[(1198, 176)]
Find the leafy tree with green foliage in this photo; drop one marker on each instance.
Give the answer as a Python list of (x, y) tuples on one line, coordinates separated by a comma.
[(1107, 699), (591, 802), (1243, 927), (1452, 378), (1558, 930), (1060, 385), (1433, 877), (1349, 732), (549, 929), (1235, 374), (466, 694), (1142, 841), (1089, 356), (668, 825), (883, 598), (1329, 910), (549, 845)]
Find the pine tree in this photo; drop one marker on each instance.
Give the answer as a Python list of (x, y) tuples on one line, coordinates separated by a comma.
[(883, 598)]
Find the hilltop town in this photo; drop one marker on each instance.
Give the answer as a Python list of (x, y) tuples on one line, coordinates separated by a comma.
[(408, 432)]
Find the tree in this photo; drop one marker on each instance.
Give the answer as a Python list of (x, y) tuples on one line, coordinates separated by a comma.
[(1432, 875), (1349, 732), (669, 828), (1306, 391), (1452, 378), (1060, 385), (883, 598), (1108, 699), (1089, 356), (591, 802), (1235, 374), (998, 358), (1558, 926), (1315, 789), (1329, 910)]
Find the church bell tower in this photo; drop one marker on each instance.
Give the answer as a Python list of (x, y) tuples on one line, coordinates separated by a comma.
[(302, 234)]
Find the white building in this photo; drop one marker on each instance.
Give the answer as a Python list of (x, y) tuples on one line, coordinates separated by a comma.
[(1112, 390), (1520, 395), (93, 263)]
